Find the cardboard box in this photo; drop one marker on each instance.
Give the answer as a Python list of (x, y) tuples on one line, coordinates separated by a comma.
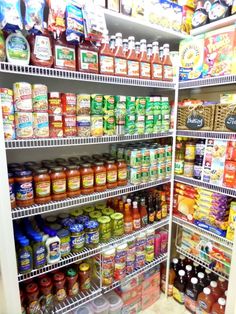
[(150, 298)]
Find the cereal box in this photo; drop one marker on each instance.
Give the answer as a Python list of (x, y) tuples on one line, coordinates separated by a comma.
[(219, 52), (191, 53)]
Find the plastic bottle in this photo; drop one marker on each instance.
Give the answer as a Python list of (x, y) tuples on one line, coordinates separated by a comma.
[(219, 307), (143, 212), (17, 49), (132, 59), (156, 64), (145, 69), (201, 280), (128, 220), (24, 256), (120, 58), (106, 57), (191, 294), (167, 64), (205, 301), (53, 247), (189, 272), (222, 284), (151, 211), (215, 290), (39, 251), (179, 287), (136, 217)]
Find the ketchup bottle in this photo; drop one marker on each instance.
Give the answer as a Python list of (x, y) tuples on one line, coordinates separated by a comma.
[(87, 57), (145, 69), (132, 59), (167, 64), (106, 57), (156, 64), (120, 58)]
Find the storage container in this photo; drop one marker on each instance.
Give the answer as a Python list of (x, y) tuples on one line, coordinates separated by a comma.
[(100, 306), (115, 302), (85, 309)]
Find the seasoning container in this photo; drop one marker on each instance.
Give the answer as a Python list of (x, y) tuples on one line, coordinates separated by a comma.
[(58, 179), (42, 186), (73, 181), (111, 174), (108, 258), (24, 188), (117, 223), (72, 284), (65, 246), (122, 172), (91, 234), (12, 189), (59, 281), (100, 173), (104, 228), (77, 238), (84, 277)]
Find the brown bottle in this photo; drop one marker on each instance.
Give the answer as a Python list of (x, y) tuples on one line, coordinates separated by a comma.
[(191, 294), (120, 57), (145, 69), (179, 287), (201, 280), (205, 301), (189, 272), (87, 57), (215, 290)]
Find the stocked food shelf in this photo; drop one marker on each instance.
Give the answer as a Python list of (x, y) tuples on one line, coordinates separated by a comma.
[(73, 303), (207, 134), (79, 76), (210, 81), (138, 271), (55, 142), (208, 186), (89, 252), (210, 235)]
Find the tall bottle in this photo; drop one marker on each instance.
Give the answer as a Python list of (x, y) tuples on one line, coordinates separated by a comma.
[(157, 204), (215, 290), (136, 217), (132, 59), (125, 46), (106, 57), (145, 69), (156, 64), (87, 57), (143, 212), (191, 294), (128, 220), (219, 307), (205, 301), (179, 287), (201, 280), (120, 58), (151, 211), (167, 64)]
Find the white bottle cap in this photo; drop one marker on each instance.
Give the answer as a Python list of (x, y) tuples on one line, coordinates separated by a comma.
[(181, 272), (135, 204), (221, 279), (155, 43), (213, 284), (118, 35), (188, 267), (128, 200), (207, 290), (143, 41), (175, 260), (221, 301), (201, 275), (195, 264), (131, 38), (194, 280), (182, 257)]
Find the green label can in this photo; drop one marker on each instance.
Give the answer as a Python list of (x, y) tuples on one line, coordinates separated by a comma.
[(168, 168), (135, 175), (165, 114), (97, 104), (153, 155), (135, 158), (145, 174), (120, 152), (157, 123), (149, 105), (130, 124), (157, 106), (145, 156), (127, 154), (109, 125), (153, 172), (109, 104), (113, 150), (161, 170), (160, 153), (140, 124), (149, 124), (168, 152), (130, 105), (140, 105)]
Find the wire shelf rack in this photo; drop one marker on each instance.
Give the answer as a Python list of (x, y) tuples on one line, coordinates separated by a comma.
[(78, 141), (205, 185), (210, 235), (208, 134), (210, 81), (82, 200), (79, 76)]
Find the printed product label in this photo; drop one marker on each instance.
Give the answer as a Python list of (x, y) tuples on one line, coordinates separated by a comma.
[(42, 188), (120, 66), (42, 48), (151, 217), (65, 248), (128, 227), (33, 307), (11, 192), (111, 176), (130, 266), (137, 223), (65, 57), (179, 167), (40, 257), (145, 69), (24, 262), (106, 64), (168, 72), (61, 294), (73, 183), (89, 60), (133, 68), (92, 237), (54, 251), (85, 285), (77, 242), (190, 304), (87, 181), (100, 178), (74, 290), (179, 296), (122, 174), (24, 191), (144, 220), (17, 48), (59, 186), (157, 71)]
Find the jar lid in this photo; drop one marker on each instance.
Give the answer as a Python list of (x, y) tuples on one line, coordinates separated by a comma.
[(77, 212), (84, 267), (31, 288), (58, 276), (30, 163), (86, 165), (57, 169), (76, 228), (41, 171), (117, 216), (63, 216), (95, 214), (45, 282), (104, 219), (96, 156), (71, 272), (72, 167), (55, 227), (63, 233), (99, 163), (110, 251), (82, 219), (67, 222), (60, 160), (88, 209), (91, 224), (25, 173), (73, 159), (51, 219), (120, 160), (110, 161), (108, 211)]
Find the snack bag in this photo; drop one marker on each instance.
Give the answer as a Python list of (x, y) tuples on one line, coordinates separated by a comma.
[(74, 23), (10, 15), (56, 17), (34, 11)]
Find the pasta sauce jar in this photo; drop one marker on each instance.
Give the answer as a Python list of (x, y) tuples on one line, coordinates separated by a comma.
[(42, 186), (24, 188), (111, 174), (11, 189), (122, 172), (87, 178), (99, 176), (58, 178), (73, 181)]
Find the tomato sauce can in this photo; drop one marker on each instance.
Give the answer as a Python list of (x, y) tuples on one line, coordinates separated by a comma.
[(54, 103), (55, 126), (69, 103), (69, 125), (40, 98)]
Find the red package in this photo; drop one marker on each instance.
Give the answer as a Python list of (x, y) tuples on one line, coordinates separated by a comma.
[(229, 179), (231, 151), (54, 103), (69, 125), (55, 126), (68, 103)]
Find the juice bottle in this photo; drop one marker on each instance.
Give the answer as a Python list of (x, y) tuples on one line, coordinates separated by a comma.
[(121, 207), (106, 57), (179, 158), (167, 64), (143, 212), (215, 290), (222, 284), (189, 272), (136, 217), (120, 58), (145, 69), (156, 64), (219, 307), (209, 276), (128, 219), (172, 275), (205, 302), (191, 294), (179, 287), (201, 280), (132, 59), (196, 268), (87, 57), (182, 262)]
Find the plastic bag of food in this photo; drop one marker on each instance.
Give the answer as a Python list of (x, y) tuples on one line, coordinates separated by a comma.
[(56, 17), (74, 23), (34, 11), (10, 15)]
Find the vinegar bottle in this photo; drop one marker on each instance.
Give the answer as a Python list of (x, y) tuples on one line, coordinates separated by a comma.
[(106, 57), (120, 58), (145, 71), (132, 59), (156, 64), (167, 64)]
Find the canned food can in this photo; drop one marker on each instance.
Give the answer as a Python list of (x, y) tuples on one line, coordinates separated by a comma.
[(130, 126), (22, 95), (24, 125), (83, 104), (69, 103), (135, 158), (127, 154), (96, 125), (69, 125), (149, 106), (109, 105), (40, 98), (188, 169), (114, 150), (135, 175), (153, 155), (168, 152), (83, 125), (157, 106), (97, 104), (9, 127), (145, 156), (160, 153), (6, 101), (54, 103), (161, 170), (149, 124), (140, 105), (55, 126), (153, 172), (120, 152), (145, 174), (109, 125), (168, 168), (40, 124), (157, 124), (140, 124), (130, 105)]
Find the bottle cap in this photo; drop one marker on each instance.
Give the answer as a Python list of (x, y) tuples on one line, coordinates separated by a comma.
[(175, 260), (182, 257), (194, 280), (201, 275), (181, 272), (118, 35), (166, 46), (131, 38), (207, 290), (155, 43), (143, 41), (221, 279), (221, 301), (213, 284), (188, 267), (135, 204)]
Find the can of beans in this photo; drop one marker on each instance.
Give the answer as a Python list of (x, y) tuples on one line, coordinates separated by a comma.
[(135, 175), (136, 158), (22, 97)]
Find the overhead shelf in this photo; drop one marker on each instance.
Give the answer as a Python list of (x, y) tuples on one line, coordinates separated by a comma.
[(231, 136), (208, 81), (214, 25)]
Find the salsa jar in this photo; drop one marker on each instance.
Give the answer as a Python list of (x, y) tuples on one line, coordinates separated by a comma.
[(87, 178), (72, 282), (84, 277), (58, 178), (111, 174), (91, 234), (59, 281), (42, 186), (32, 292), (99, 176), (12, 189), (122, 172), (77, 238), (45, 286), (73, 181), (24, 188)]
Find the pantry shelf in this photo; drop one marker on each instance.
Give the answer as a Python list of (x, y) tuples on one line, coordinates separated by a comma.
[(210, 235), (231, 136), (82, 200), (82, 298), (208, 186), (76, 141), (136, 272), (79, 76), (210, 81), (200, 261)]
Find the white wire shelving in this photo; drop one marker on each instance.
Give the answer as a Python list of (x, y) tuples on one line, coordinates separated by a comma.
[(82, 200), (76, 141), (208, 81), (136, 272), (231, 136), (89, 252), (31, 70), (205, 185), (210, 235)]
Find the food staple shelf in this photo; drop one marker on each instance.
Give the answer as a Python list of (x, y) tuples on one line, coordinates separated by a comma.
[(82, 200), (82, 298), (136, 272), (201, 262), (89, 252), (78, 141), (209, 81), (205, 185), (80, 76), (209, 235), (229, 136)]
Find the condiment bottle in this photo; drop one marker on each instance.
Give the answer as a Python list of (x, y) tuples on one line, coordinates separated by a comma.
[(39, 251), (111, 174), (32, 292), (99, 177), (11, 189), (45, 285), (189, 272), (24, 255), (151, 211), (156, 64), (72, 284), (215, 290), (125, 46), (191, 295), (143, 212), (106, 57), (219, 307), (201, 280), (84, 277), (73, 180), (222, 284), (132, 59), (172, 275), (145, 69), (58, 179), (120, 58), (128, 220), (42, 186), (179, 287), (59, 281), (205, 301), (167, 64), (136, 217), (53, 247), (87, 53)]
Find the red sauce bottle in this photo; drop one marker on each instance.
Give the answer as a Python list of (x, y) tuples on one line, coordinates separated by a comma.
[(64, 53), (106, 57), (120, 58), (167, 64), (132, 59), (87, 57), (156, 64), (125, 46), (145, 69)]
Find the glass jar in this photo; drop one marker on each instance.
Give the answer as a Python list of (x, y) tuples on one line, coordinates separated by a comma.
[(24, 188), (73, 181), (104, 228), (84, 277), (58, 178), (122, 172), (45, 286), (87, 178), (12, 189), (99, 177), (59, 281), (117, 223), (32, 292), (111, 174), (77, 238), (64, 236), (190, 151), (72, 284), (42, 186), (95, 215), (91, 234)]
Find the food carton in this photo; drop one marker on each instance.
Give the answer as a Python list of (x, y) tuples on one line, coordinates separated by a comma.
[(187, 15)]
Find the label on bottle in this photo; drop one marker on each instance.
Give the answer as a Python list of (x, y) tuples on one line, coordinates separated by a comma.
[(24, 191), (111, 176), (54, 251), (42, 48), (34, 307), (24, 261), (40, 257), (145, 69), (85, 285), (128, 227), (133, 68), (73, 183), (177, 295), (61, 294), (158, 214), (201, 307), (92, 237), (87, 181), (42, 188), (88, 60), (157, 71), (59, 186), (122, 174), (74, 290), (189, 303), (11, 192), (137, 224), (100, 178), (106, 64), (120, 66), (77, 242), (179, 166), (65, 247), (151, 217), (64, 56), (167, 72), (144, 220)]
